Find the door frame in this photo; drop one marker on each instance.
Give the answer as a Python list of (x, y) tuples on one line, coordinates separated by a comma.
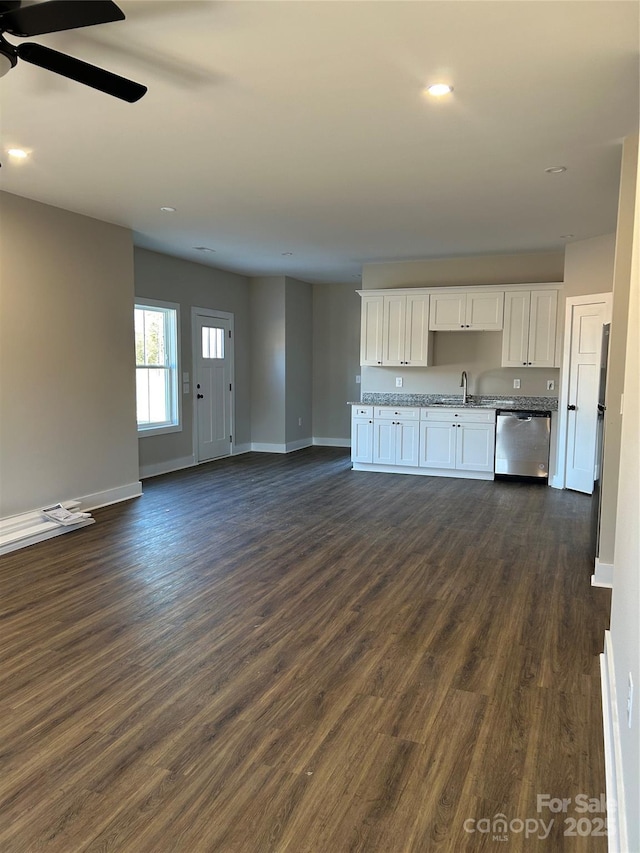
[(560, 479), (214, 314)]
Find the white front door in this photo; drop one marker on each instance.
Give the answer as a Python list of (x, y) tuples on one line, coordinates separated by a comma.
[(212, 366), (585, 331)]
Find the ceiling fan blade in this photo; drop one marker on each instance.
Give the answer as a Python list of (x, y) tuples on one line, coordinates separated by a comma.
[(81, 72), (57, 15)]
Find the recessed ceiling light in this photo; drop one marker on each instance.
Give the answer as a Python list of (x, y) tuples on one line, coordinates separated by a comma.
[(566, 236), (203, 249), (287, 254), (17, 153), (437, 90), (168, 209), (555, 170)]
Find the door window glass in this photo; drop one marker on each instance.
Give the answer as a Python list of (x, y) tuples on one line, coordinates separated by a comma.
[(212, 342)]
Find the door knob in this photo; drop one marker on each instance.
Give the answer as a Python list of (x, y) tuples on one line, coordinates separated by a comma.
[(200, 396), (571, 408)]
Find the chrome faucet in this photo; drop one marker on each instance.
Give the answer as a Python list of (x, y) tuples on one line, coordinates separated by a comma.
[(463, 385)]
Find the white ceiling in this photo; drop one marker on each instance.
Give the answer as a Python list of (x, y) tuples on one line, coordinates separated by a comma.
[(302, 127)]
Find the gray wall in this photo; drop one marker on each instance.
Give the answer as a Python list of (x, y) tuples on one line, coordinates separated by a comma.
[(588, 266), (281, 357), (480, 269), (67, 384), (618, 346), (336, 359), (298, 364), (195, 285), (625, 610), (268, 363)]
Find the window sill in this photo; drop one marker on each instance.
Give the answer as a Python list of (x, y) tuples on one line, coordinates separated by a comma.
[(143, 432)]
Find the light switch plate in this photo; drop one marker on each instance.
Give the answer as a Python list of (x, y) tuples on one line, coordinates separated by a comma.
[(358, 379), (516, 383), (550, 385)]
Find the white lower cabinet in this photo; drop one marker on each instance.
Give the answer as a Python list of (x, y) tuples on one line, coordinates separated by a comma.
[(396, 442), (433, 441), (459, 446), (362, 434), (475, 447), (362, 440), (437, 445), (458, 439)]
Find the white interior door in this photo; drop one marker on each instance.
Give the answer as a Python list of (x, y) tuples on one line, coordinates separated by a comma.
[(212, 365), (586, 321)]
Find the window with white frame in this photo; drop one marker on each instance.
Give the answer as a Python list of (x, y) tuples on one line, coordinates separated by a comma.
[(157, 397)]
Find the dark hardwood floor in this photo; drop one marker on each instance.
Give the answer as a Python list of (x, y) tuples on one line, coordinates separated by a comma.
[(276, 653)]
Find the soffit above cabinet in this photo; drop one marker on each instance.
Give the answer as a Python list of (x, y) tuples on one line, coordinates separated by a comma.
[(467, 288)]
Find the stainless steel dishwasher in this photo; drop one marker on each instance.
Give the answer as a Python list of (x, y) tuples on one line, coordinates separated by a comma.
[(522, 443)]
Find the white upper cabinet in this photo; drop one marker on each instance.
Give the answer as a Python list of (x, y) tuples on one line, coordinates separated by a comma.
[(371, 329), (530, 321), (397, 326), (395, 330), (448, 311), (474, 310)]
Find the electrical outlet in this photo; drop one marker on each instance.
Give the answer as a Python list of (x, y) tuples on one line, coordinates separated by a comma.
[(299, 421), (551, 385), (398, 381), (358, 379), (630, 700), (516, 383)]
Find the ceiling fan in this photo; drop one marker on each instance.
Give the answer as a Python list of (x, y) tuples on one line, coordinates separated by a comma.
[(52, 17)]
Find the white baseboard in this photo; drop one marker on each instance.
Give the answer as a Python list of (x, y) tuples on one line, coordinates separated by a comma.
[(616, 816), (28, 528), (332, 442), (111, 496), (289, 447), (239, 449), (299, 444), (166, 467), (603, 575), (262, 447)]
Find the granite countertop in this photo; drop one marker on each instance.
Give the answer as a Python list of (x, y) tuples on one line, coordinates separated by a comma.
[(534, 404)]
